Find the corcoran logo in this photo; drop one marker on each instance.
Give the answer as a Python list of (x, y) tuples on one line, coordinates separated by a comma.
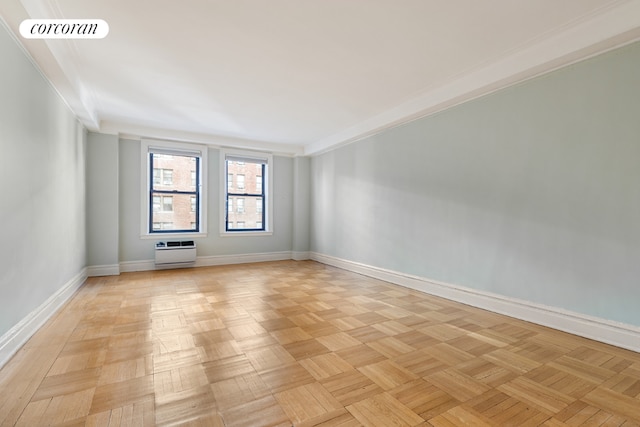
[(64, 29)]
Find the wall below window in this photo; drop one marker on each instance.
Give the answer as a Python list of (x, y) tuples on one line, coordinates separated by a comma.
[(532, 193), (42, 185)]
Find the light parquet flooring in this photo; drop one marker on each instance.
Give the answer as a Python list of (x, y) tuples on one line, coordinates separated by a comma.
[(304, 344)]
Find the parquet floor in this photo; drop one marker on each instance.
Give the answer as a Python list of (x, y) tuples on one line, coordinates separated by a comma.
[(300, 343)]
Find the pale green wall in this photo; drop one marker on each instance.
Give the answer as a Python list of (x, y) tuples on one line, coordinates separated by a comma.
[(532, 192), (102, 199), (132, 248), (301, 204), (42, 183)]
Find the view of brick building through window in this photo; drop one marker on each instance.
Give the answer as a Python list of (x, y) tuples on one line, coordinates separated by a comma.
[(174, 211), (246, 211)]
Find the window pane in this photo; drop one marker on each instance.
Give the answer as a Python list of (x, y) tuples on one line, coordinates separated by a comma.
[(176, 212), (157, 176), (174, 173), (167, 177), (245, 199), (247, 213), (167, 204)]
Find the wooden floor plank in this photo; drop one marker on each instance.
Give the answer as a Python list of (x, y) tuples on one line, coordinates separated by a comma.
[(300, 343)]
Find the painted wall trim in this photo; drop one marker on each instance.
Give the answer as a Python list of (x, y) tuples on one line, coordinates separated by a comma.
[(209, 261), (606, 331), (142, 265), (17, 336), (103, 270), (300, 256), (605, 31)]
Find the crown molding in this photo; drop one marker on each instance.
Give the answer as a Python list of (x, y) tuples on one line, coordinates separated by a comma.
[(130, 131), (610, 29)]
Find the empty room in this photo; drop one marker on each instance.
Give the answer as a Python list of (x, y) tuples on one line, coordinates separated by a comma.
[(320, 213)]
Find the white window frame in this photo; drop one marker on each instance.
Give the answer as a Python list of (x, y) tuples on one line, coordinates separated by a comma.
[(267, 181), (178, 148)]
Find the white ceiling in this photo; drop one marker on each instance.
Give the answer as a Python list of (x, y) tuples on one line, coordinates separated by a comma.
[(302, 76)]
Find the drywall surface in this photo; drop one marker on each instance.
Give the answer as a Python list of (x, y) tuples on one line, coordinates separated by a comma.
[(301, 204), (102, 199), (532, 192), (42, 170), (133, 248)]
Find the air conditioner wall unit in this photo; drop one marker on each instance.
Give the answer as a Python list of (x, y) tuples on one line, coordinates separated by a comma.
[(175, 254)]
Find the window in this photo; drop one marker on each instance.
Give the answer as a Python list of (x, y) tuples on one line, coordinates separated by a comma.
[(162, 203), (250, 196), (173, 192), (162, 225), (162, 176)]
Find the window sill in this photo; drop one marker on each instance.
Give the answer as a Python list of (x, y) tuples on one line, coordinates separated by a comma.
[(245, 233)]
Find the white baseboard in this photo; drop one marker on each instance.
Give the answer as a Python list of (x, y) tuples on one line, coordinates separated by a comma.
[(143, 265), (103, 270), (603, 330), (17, 336), (300, 256), (209, 261)]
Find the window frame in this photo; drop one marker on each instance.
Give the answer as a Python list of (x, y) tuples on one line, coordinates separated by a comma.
[(267, 174), (148, 146)]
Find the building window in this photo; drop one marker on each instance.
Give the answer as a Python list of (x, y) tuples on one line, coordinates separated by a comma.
[(174, 196), (163, 226), (162, 176), (251, 192), (162, 203)]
